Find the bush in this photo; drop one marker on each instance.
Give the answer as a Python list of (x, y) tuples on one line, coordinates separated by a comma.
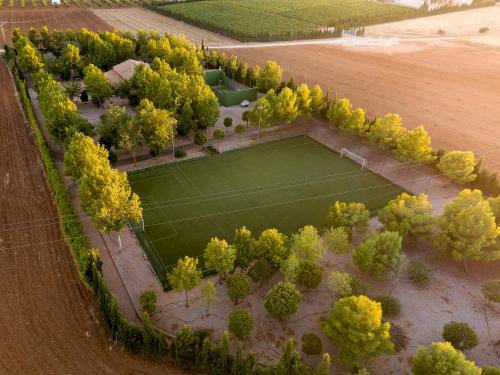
[(419, 272), (491, 291), (200, 138), (398, 337), (228, 122), (179, 153), (283, 300), (390, 305), (309, 275), (460, 335), (148, 301), (112, 156), (487, 370), (311, 344), (239, 129), (261, 271), (483, 29), (240, 323), (344, 284), (238, 287)]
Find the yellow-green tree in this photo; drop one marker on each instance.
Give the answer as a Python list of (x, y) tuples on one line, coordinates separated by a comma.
[(339, 112), (408, 215), (317, 100), (386, 130), (441, 358), (286, 106), (111, 123), (130, 136), (185, 276), (97, 84), (307, 244), (468, 230), (355, 325), (71, 58), (304, 100), (415, 146), (379, 254), (355, 123), (272, 246), (29, 58), (270, 77), (458, 166), (351, 216), (83, 154), (220, 256)]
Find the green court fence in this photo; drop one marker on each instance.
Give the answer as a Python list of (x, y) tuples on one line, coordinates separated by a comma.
[(228, 91)]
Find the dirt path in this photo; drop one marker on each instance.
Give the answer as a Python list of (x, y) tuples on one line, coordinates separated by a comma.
[(454, 90), (49, 322)]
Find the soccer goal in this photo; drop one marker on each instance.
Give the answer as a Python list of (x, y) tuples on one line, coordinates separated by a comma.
[(351, 155)]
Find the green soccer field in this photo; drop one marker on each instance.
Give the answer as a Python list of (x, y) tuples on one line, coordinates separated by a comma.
[(285, 184)]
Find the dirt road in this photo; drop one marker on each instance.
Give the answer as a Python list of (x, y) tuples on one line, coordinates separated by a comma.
[(53, 18), (49, 322), (453, 89)]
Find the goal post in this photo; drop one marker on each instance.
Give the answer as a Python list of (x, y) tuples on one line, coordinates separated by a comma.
[(351, 155)]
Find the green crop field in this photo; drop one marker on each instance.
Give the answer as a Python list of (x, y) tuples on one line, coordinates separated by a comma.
[(283, 19), (284, 185)]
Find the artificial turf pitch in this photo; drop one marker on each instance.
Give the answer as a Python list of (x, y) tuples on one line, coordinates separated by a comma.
[(285, 185)]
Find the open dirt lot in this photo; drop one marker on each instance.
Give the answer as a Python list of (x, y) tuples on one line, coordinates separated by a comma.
[(53, 18), (135, 19), (49, 322), (454, 90)]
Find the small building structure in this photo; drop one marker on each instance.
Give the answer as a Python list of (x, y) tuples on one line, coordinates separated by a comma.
[(123, 71)]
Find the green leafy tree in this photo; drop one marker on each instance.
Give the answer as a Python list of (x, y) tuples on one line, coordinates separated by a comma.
[(311, 344), (337, 240), (244, 244), (97, 84), (185, 276), (283, 300), (239, 129), (355, 325), (262, 270), (148, 302), (441, 358), (341, 284), (318, 103), (158, 126), (82, 154), (111, 122), (272, 246), (385, 131), (458, 166), (467, 229), (200, 138), (415, 146), (270, 77), (351, 216), (339, 112), (245, 116), (290, 362), (286, 106), (220, 256), (262, 113), (208, 294), (130, 136), (307, 243), (219, 135), (240, 323), (309, 274), (238, 287), (491, 291), (460, 335), (408, 215), (380, 254)]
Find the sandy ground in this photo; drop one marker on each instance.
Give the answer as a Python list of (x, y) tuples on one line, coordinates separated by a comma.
[(454, 90), (465, 23), (135, 19), (49, 322), (53, 18)]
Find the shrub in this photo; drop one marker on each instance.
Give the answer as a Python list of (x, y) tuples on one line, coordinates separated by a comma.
[(398, 337), (238, 287), (239, 129), (390, 305), (309, 275), (441, 32), (240, 323), (262, 270), (483, 29), (311, 344), (379, 254), (344, 284), (419, 272), (200, 138), (460, 335), (179, 153), (112, 156), (283, 300), (458, 166), (487, 370), (148, 301), (228, 122), (337, 240), (491, 291)]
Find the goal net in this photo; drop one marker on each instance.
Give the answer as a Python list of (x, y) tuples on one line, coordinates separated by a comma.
[(351, 155)]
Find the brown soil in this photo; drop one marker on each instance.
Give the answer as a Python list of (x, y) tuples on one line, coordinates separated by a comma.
[(454, 90), (53, 18), (49, 322)]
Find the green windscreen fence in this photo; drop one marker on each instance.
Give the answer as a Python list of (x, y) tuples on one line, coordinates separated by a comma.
[(228, 91)]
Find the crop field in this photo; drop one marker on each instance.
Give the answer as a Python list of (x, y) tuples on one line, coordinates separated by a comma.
[(288, 19), (284, 184), (21, 4)]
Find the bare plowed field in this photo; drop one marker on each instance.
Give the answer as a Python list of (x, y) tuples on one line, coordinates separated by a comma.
[(454, 90), (53, 18), (49, 322), (135, 19)]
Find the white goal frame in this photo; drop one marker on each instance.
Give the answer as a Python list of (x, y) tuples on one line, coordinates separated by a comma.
[(351, 155)]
